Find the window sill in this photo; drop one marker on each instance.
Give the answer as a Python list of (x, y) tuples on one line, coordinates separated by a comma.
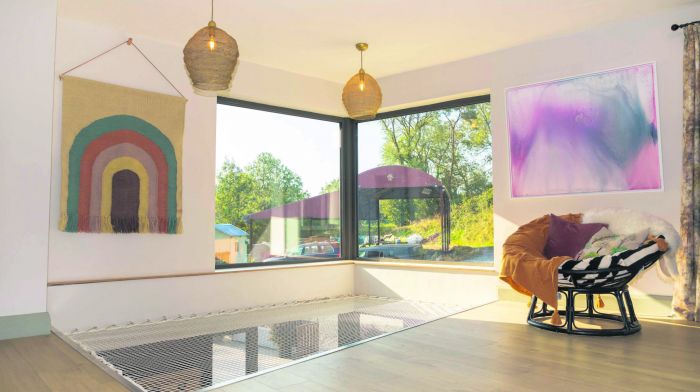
[(215, 272), (417, 265), (490, 270), (329, 263)]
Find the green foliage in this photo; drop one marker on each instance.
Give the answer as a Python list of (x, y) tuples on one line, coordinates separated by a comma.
[(277, 183), (402, 212), (423, 227), (472, 224), (237, 194), (472, 221), (453, 145), (263, 184), (331, 186)]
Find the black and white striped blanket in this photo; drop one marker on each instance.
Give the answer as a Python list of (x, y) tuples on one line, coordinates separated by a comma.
[(609, 269)]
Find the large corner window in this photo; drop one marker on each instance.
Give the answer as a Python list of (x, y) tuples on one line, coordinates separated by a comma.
[(425, 189), (277, 187)]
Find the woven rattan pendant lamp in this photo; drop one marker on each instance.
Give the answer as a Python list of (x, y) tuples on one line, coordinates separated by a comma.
[(210, 58), (361, 94)]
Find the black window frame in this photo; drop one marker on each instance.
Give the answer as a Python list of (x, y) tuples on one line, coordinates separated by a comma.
[(349, 230)]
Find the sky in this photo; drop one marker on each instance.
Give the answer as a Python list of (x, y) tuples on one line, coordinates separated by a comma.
[(310, 148)]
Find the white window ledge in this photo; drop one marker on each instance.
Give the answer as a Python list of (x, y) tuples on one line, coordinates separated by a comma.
[(490, 270), (436, 266)]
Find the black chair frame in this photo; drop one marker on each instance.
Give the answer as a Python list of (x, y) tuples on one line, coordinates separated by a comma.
[(615, 286)]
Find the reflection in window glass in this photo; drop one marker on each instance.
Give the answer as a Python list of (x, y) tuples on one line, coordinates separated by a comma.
[(425, 189), (277, 187)]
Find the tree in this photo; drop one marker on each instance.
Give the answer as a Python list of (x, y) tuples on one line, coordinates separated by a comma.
[(263, 184), (454, 146), (331, 186), (276, 183), (237, 195), (407, 140)]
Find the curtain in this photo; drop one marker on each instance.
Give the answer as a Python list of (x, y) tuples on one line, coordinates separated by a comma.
[(686, 299)]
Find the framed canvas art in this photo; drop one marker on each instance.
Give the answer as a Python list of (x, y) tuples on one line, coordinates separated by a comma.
[(591, 133)]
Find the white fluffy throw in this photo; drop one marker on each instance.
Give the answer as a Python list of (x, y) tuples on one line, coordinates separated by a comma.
[(626, 221)]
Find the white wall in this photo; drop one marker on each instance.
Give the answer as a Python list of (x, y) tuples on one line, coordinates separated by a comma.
[(631, 42), (438, 285), (85, 306), (26, 65), (258, 83), (79, 256)]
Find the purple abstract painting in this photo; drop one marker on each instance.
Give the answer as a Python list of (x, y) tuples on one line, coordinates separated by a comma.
[(590, 133)]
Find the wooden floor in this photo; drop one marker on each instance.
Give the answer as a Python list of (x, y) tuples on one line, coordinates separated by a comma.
[(485, 349), (46, 363)]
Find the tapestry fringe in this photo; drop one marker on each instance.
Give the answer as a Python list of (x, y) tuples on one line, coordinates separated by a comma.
[(105, 224)]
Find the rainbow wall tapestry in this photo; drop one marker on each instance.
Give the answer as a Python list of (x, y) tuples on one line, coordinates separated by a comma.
[(121, 159), (590, 133)]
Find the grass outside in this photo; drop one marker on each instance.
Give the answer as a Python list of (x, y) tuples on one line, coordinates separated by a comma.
[(472, 230)]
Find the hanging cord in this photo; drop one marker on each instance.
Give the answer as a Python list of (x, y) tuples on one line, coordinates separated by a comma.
[(156, 68), (94, 58), (129, 42)]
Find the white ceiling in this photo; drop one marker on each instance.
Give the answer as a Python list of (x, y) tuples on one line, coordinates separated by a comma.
[(317, 37)]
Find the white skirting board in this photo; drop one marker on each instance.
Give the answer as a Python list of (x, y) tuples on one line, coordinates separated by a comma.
[(84, 306)]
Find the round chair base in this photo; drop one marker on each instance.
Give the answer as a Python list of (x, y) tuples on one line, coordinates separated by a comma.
[(627, 318)]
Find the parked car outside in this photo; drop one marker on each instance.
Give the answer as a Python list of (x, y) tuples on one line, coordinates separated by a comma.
[(392, 251), (321, 249)]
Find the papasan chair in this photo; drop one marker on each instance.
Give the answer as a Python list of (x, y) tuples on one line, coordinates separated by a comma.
[(528, 271)]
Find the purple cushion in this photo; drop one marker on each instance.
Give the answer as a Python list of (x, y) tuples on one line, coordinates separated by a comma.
[(568, 238)]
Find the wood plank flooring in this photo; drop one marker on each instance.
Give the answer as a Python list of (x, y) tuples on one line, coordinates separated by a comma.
[(485, 349), (46, 363)]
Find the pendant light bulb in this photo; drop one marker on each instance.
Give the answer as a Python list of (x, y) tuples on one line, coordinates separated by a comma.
[(362, 49), (212, 41)]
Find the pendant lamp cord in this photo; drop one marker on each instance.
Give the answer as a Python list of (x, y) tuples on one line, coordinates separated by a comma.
[(362, 57), (129, 42), (212, 10)]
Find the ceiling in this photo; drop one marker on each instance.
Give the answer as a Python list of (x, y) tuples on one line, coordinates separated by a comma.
[(317, 37)]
